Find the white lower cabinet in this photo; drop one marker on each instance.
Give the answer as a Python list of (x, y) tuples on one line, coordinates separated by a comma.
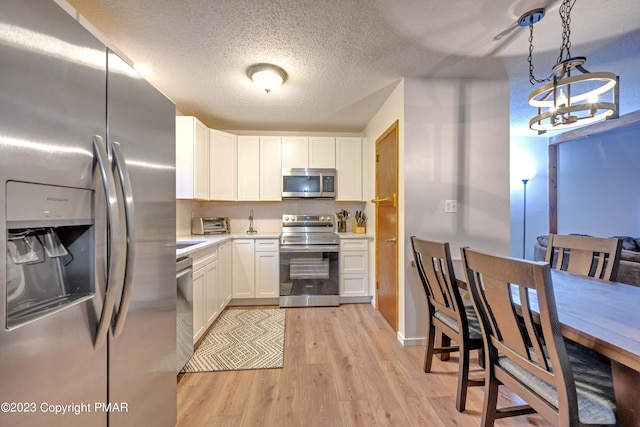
[(256, 268), (354, 268), (211, 285)]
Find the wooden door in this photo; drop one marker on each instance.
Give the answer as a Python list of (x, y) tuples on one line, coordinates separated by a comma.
[(387, 225)]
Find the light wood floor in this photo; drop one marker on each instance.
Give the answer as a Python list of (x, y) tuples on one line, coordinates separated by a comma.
[(342, 367)]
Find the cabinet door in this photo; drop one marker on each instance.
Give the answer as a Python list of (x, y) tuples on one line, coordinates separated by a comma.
[(211, 304), (349, 169), (270, 168), (225, 274), (322, 152), (198, 302), (295, 152), (192, 158), (223, 166), (267, 274), (354, 285), (249, 168), (354, 262), (243, 268)]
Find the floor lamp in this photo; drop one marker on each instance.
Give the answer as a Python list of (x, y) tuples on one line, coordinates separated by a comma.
[(526, 177)]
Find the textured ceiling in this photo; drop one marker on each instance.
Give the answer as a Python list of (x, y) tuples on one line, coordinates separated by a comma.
[(344, 57)]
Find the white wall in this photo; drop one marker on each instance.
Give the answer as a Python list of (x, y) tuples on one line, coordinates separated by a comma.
[(454, 144), (391, 110), (529, 152), (598, 184)]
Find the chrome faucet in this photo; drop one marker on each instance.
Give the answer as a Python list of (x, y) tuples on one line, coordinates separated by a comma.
[(251, 230)]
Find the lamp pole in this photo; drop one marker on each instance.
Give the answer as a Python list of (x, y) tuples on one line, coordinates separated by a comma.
[(524, 219)]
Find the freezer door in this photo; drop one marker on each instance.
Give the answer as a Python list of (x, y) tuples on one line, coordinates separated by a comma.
[(142, 352), (52, 90)]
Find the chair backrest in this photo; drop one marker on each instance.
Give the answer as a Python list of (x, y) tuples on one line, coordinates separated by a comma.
[(584, 255), (500, 289), (433, 260)]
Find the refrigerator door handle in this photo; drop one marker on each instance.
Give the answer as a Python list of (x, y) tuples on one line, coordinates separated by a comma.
[(114, 235), (127, 192)]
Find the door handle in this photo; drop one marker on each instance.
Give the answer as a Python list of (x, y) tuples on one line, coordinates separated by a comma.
[(127, 193), (393, 198), (114, 240), (392, 240)]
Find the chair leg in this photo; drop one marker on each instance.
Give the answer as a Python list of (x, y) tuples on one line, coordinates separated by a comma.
[(490, 405), (428, 354), (443, 340), (463, 377)]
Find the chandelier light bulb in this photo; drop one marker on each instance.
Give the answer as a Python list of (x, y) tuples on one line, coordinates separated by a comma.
[(562, 99)]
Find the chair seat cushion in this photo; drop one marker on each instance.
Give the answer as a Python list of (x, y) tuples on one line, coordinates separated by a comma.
[(472, 319), (596, 402)]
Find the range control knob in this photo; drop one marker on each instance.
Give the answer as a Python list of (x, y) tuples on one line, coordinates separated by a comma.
[(286, 218)]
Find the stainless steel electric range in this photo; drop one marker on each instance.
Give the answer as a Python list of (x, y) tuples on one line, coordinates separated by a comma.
[(309, 256)]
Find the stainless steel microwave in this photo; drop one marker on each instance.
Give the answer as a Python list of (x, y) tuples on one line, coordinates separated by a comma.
[(308, 183)]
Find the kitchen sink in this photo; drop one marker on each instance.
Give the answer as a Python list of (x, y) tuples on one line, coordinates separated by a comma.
[(183, 245)]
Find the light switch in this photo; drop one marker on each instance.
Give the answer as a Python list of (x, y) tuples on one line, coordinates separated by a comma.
[(451, 206)]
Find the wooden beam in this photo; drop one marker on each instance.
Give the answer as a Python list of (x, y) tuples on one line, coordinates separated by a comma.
[(553, 189), (596, 128)]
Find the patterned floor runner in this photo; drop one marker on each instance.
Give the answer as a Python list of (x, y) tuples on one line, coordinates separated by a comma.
[(241, 339)]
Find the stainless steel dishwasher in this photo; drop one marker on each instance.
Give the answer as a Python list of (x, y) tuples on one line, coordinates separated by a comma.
[(184, 310)]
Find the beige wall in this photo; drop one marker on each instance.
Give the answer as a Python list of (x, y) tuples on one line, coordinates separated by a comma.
[(454, 144)]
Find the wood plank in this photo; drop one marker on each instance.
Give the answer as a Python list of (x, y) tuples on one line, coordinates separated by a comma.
[(363, 377), (596, 128)]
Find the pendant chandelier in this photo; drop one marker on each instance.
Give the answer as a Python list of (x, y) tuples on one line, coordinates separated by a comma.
[(571, 95)]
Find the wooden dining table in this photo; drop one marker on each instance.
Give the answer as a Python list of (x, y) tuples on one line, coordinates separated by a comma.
[(605, 317)]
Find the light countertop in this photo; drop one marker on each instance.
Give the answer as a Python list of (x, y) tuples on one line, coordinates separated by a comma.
[(214, 239)]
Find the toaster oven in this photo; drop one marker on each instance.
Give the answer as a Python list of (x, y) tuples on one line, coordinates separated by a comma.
[(210, 225)]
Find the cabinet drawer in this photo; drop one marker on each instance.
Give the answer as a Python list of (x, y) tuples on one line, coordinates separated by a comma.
[(267, 245), (354, 262), (354, 245), (204, 257)]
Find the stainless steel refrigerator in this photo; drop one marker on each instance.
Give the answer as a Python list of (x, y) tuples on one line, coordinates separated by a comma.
[(87, 223)]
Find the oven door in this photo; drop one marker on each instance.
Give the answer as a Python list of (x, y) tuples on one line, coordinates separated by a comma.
[(309, 275)]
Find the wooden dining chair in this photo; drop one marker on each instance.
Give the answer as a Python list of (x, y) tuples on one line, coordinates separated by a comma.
[(567, 388), (584, 255), (447, 312)]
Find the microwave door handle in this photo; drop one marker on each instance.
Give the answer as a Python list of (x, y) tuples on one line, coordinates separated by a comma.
[(113, 267), (130, 244)]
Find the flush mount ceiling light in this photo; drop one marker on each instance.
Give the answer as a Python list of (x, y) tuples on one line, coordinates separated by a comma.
[(267, 77), (569, 100)]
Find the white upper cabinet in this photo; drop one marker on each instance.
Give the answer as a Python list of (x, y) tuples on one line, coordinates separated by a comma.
[(349, 168), (223, 165), (322, 152), (308, 152), (271, 168), (259, 168), (295, 152), (248, 168), (192, 159)]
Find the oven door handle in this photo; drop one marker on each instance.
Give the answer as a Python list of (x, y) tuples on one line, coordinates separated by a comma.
[(309, 248)]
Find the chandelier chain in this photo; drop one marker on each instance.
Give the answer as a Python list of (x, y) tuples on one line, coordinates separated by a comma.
[(532, 79), (565, 16)]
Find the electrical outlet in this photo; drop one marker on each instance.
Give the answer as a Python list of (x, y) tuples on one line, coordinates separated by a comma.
[(451, 206)]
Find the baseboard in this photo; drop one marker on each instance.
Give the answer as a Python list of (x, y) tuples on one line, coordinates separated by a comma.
[(411, 342), (355, 300)]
